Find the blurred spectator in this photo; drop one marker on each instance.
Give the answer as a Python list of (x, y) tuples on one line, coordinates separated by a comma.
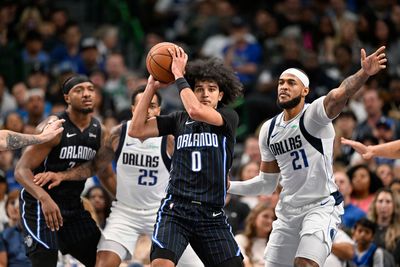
[(243, 54), (3, 199), (385, 173), (90, 58), (352, 213), (33, 52), (19, 91), (253, 240), (367, 253), (251, 150), (7, 101), (344, 126), (392, 107), (116, 86), (101, 202), (12, 248), (107, 36), (13, 121), (245, 172), (35, 107), (236, 211), (385, 212), (395, 186), (30, 20), (365, 184)]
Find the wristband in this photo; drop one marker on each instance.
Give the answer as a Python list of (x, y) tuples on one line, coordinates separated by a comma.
[(181, 84)]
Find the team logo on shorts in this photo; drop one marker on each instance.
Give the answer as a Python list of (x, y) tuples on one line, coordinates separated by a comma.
[(332, 233), (28, 241), (171, 206)]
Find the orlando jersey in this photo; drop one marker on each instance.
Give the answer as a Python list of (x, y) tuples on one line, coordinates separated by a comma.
[(303, 148), (75, 147), (202, 156), (142, 170)]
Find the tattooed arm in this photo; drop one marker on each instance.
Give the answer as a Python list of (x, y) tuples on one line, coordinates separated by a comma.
[(337, 98), (10, 140), (100, 164)]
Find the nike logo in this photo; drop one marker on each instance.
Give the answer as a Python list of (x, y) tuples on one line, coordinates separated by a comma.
[(70, 135), (272, 136), (92, 135), (323, 203), (189, 122), (130, 144), (215, 214)]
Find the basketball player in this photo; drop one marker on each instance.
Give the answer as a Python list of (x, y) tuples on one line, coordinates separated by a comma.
[(142, 177), (298, 144), (10, 140), (54, 219), (191, 213), (387, 150)]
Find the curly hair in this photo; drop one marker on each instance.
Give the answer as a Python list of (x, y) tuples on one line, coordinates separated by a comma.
[(215, 70)]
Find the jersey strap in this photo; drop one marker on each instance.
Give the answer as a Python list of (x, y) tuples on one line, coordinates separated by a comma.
[(314, 141), (166, 159), (121, 141), (271, 128)]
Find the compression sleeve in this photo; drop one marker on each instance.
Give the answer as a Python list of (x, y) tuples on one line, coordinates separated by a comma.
[(263, 184)]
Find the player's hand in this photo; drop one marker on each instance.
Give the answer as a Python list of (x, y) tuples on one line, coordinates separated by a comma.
[(54, 178), (358, 147), (179, 60), (51, 213), (153, 83), (51, 130), (374, 62)]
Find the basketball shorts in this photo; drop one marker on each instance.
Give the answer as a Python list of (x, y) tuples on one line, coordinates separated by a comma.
[(314, 223), (124, 226), (180, 221)]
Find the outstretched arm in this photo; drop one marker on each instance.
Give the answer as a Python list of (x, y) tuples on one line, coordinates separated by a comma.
[(263, 184), (386, 150), (10, 140), (337, 98)]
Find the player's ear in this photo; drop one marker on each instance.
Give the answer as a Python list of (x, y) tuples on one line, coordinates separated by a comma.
[(221, 94), (66, 98), (306, 90)]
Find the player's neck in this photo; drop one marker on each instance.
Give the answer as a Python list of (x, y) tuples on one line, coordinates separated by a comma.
[(289, 114), (81, 120)]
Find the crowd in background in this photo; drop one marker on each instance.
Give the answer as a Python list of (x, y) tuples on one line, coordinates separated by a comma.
[(42, 43)]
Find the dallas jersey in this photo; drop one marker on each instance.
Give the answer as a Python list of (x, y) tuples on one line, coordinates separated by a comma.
[(202, 156), (142, 170), (303, 148), (75, 147)]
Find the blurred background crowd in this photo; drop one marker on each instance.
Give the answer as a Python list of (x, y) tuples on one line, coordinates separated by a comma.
[(42, 42)]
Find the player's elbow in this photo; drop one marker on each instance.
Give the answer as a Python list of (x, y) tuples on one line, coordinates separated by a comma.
[(195, 112)]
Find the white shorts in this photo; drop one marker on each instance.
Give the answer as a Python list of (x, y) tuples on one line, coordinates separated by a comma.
[(125, 225), (297, 230)]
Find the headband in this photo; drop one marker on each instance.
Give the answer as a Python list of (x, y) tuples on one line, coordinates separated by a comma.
[(299, 74), (72, 81)]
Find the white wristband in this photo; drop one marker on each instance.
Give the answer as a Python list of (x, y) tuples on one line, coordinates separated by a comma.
[(263, 184)]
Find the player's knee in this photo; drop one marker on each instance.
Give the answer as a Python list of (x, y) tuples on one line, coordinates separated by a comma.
[(303, 262), (162, 263), (232, 262), (107, 259)]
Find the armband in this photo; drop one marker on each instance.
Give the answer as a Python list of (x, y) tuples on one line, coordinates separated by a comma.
[(262, 184)]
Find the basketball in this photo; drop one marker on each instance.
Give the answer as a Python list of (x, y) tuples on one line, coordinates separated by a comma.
[(158, 62)]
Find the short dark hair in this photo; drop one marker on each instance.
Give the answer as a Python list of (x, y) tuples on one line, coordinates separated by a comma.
[(364, 222), (214, 70), (140, 89)]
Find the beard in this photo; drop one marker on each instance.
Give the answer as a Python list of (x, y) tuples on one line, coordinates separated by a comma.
[(86, 110), (289, 104)]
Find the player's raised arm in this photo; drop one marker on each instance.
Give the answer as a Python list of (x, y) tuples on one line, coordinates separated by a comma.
[(337, 98), (10, 140)]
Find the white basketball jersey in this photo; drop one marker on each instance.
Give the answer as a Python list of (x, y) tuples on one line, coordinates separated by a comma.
[(304, 155), (142, 173)]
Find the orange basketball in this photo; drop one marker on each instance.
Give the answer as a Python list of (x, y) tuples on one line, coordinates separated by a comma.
[(158, 62)]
